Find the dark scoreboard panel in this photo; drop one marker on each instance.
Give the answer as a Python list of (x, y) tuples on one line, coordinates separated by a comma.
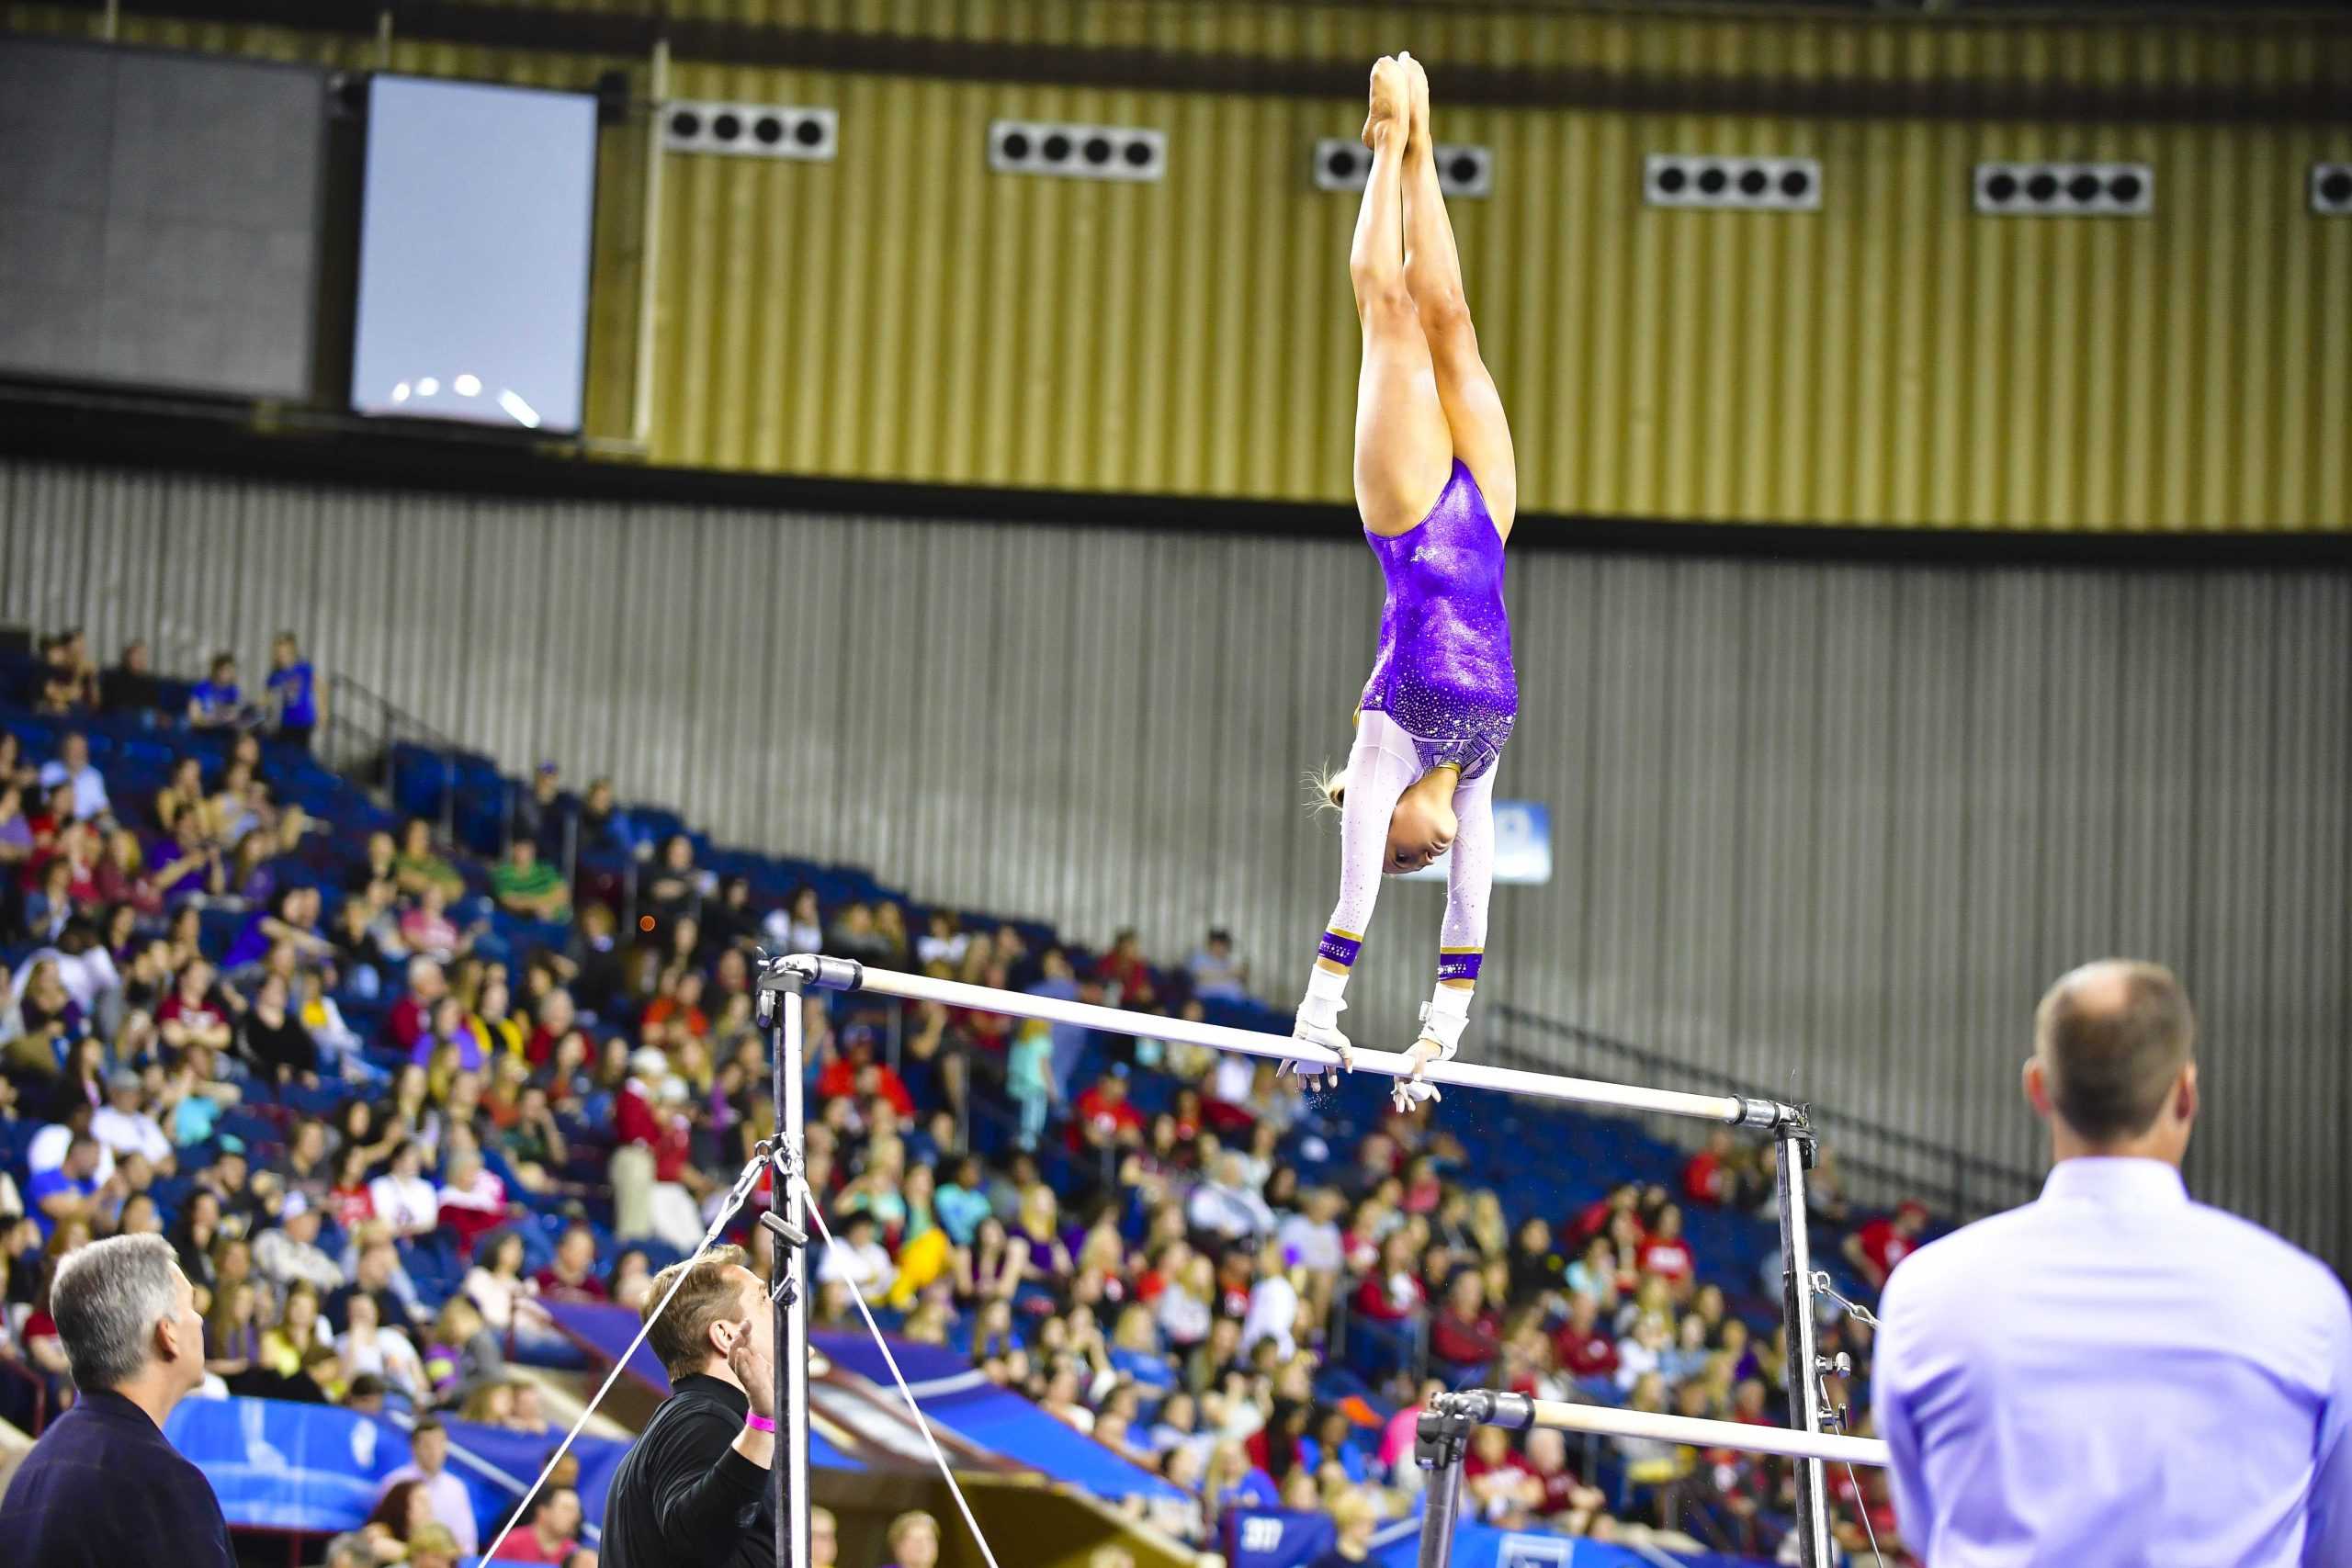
[(160, 218)]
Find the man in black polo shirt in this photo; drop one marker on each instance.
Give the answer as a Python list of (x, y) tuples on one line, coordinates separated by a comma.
[(693, 1491), (103, 1488)]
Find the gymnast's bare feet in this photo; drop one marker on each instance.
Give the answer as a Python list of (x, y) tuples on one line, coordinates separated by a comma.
[(1418, 96), (1391, 98)]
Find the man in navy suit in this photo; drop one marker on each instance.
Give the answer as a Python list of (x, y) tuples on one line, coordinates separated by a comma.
[(103, 1488)]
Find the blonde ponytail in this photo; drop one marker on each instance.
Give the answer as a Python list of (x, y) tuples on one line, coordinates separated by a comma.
[(1327, 789)]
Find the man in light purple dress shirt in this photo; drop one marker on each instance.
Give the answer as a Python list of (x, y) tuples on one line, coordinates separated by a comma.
[(2114, 1376)]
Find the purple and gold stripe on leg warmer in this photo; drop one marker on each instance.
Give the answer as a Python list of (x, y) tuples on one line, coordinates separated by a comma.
[(1459, 963), (1341, 947)]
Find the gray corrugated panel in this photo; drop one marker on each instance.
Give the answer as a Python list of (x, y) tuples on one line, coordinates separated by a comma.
[(1832, 828)]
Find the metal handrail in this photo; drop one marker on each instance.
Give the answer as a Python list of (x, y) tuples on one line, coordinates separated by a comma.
[(392, 724)]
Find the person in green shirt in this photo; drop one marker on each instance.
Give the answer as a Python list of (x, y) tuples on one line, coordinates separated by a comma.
[(417, 864), (526, 886)]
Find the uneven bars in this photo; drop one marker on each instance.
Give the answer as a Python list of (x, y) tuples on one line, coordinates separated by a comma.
[(847, 974), (1517, 1412), (1697, 1434)]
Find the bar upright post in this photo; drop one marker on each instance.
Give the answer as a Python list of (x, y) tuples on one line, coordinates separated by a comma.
[(1816, 1547), (788, 1291)]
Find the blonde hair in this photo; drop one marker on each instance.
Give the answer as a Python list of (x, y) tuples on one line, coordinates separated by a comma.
[(1040, 1202), (906, 1524), (1326, 788), (1228, 1462), (681, 1336), (1137, 1330), (1102, 1250), (482, 1404), (450, 1326), (1354, 1505)]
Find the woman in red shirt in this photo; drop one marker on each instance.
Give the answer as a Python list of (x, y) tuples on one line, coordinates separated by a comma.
[(1497, 1479), (1273, 1448), (1595, 1218), (122, 876), (1392, 1292), (347, 1202), (1124, 966), (1666, 1255), (1466, 1334), (1423, 1188), (1626, 1240), (679, 998)]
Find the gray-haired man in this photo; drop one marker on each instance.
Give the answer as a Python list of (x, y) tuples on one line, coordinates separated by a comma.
[(103, 1488)]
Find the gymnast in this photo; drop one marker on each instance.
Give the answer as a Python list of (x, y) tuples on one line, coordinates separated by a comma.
[(1437, 486)]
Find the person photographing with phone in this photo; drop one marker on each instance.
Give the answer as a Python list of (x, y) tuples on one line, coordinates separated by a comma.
[(693, 1491)]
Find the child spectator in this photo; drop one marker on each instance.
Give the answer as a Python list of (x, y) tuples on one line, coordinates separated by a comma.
[(1028, 1078), (216, 703), (295, 697)]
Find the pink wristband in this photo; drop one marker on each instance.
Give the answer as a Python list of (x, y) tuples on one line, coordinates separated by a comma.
[(759, 1423)]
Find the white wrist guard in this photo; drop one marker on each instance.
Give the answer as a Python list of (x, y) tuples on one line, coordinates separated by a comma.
[(1442, 1018)]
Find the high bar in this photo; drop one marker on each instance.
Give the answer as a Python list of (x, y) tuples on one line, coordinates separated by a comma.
[(846, 975), (1517, 1411)]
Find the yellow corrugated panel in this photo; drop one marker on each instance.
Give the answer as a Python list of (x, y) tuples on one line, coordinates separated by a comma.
[(903, 313), (1892, 360)]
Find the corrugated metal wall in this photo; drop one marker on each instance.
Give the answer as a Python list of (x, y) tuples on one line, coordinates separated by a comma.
[(1829, 828), (1892, 361), (904, 314)]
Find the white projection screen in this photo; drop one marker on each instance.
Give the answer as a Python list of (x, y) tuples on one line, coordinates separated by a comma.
[(476, 222)]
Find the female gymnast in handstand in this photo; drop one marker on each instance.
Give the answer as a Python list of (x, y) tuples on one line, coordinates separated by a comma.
[(1436, 485)]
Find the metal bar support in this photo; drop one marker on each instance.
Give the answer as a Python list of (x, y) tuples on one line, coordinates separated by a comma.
[(1440, 1442), (788, 1289), (1816, 1548)]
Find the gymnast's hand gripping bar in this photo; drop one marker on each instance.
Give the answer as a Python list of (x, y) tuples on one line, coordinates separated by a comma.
[(847, 974)]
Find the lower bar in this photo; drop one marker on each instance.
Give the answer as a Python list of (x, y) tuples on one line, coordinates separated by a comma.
[(1694, 1433)]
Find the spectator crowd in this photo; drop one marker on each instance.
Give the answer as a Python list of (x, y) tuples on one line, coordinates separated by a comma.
[(392, 1094)]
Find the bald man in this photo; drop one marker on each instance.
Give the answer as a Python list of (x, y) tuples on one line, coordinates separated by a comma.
[(2115, 1376)]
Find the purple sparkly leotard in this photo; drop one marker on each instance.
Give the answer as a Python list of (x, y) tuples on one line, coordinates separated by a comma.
[(1443, 673)]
